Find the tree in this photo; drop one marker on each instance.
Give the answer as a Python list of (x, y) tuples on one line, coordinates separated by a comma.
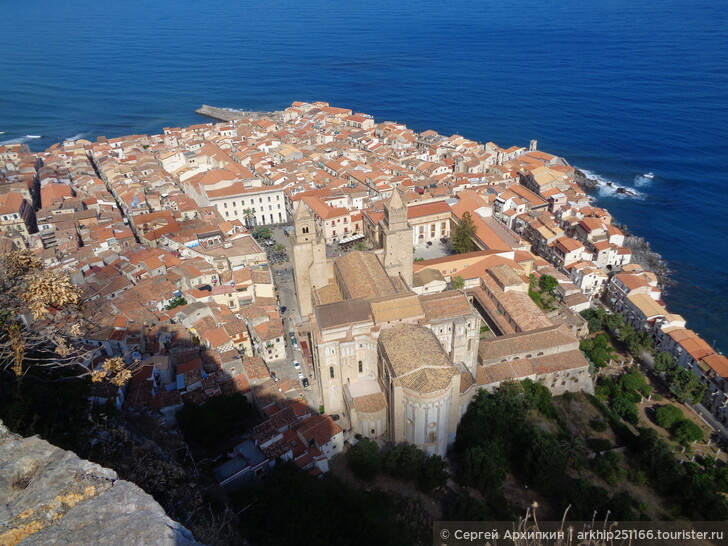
[(548, 283), (432, 473), (261, 232), (666, 416), (685, 432), (463, 234), (404, 462), (457, 283), (685, 385), (573, 450), (544, 461), (249, 215), (609, 468), (364, 459), (597, 349), (484, 467), (664, 362), (42, 319), (177, 301), (625, 408), (633, 381), (360, 245), (614, 321)]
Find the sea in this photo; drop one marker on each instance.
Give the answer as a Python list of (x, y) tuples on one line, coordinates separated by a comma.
[(634, 92)]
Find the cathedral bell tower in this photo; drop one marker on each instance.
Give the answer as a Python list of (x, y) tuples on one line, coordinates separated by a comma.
[(397, 239), (309, 259)]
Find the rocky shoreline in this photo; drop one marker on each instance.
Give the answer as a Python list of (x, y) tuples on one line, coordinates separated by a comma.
[(641, 251), (588, 183), (649, 259), (584, 182)]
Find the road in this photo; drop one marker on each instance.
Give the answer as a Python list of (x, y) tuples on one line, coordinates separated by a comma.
[(283, 279)]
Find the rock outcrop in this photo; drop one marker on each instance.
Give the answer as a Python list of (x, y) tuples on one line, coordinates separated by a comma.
[(51, 496)]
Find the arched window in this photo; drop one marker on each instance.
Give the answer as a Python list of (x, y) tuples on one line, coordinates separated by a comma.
[(331, 372), (361, 367), (304, 229)]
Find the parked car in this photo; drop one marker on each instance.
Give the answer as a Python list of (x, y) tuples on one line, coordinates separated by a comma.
[(283, 308), (297, 364), (304, 382), (300, 375)]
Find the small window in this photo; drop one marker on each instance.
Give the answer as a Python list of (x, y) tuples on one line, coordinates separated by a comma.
[(361, 367), (331, 372)]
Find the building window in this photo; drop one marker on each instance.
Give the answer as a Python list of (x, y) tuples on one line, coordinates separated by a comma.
[(331, 372), (304, 230), (361, 367)]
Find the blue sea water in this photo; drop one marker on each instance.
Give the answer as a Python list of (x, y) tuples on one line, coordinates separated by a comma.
[(618, 87)]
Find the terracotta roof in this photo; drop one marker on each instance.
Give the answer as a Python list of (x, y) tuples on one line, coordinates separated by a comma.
[(396, 308), (319, 428), (343, 312), (522, 368), (525, 342), (418, 361), (451, 303), (370, 403), (363, 276)]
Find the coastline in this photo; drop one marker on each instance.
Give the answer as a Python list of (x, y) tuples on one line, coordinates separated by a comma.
[(642, 251)]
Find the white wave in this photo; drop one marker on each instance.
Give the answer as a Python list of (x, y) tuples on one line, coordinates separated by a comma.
[(77, 136), (33, 136), (609, 188), (642, 180), (18, 140)]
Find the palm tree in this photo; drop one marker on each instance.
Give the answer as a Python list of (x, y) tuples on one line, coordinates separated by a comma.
[(360, 245), (249, 214), (573, 450)]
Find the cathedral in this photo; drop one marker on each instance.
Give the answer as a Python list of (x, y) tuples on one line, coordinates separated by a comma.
[(392, 363), (402, 366)]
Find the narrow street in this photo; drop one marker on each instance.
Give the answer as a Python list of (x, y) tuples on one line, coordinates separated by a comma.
[(283, 279)]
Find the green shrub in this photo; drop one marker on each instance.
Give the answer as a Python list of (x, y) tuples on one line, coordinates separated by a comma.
[(364, 459), (685, 432), (666, 416)]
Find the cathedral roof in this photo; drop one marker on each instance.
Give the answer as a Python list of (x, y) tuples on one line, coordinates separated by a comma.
[(400, 307), (362, 275), (451, 303), (417, 359), (341, 313)]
